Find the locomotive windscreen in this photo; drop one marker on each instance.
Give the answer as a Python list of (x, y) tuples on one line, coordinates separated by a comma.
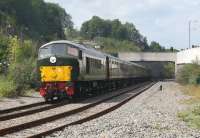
[(52, 50), (61, 50)]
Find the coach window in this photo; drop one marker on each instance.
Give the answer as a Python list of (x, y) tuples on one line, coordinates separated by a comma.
[(98, 63)]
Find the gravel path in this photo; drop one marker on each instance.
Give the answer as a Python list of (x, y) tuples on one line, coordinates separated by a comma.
[(6, 103), (151, 114)]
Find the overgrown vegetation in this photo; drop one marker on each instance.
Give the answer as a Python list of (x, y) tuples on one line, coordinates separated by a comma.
[(19, 70), (35, 19), (22, 68), (114, 46), (97, 27), (189, 77), (189, 74), (193, 91), (7, 87), (192, 117), (169, 70)]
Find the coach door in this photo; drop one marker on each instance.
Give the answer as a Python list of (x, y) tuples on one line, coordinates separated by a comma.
[(107, 68), (87, 65)]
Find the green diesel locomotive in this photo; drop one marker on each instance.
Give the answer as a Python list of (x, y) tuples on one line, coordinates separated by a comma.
[(68, 69)]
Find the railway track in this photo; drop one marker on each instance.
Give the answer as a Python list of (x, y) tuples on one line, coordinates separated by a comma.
[(87, 111), (14, 109), (30, 109)]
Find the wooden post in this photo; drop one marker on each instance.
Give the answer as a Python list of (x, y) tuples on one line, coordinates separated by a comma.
[(161, 87)]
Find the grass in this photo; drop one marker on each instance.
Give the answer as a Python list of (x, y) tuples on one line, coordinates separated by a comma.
[(7, 87), (29, 92), (193, 91), (192, 115)]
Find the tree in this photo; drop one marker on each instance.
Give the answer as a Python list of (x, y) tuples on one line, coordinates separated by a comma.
[(35, 19), (116, 24), (97, 27), (135, 36), (4, 49), (57, 20), (155, 46)]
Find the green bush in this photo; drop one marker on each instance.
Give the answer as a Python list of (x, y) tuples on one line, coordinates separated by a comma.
[(22, 75), (21, 72), (169, 70), (189, 74), (23, 64), (7, 87), (111, 45), (4, 53), (4, 49)]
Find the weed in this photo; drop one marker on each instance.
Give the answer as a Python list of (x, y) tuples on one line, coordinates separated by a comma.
[(192, 117), (7, 87)]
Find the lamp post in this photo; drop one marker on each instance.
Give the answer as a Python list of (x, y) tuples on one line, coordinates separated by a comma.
[(189, 30)]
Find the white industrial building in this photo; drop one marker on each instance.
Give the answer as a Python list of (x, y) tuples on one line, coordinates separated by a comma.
[(188, 56)]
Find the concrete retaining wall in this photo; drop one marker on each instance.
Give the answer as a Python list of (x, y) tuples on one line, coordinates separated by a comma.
[(148, 56)]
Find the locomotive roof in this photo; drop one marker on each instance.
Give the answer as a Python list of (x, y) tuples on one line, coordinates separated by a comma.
[(90, 50), (85, 48)]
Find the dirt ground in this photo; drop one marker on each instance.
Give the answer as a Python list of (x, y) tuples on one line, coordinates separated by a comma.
[(33, 97)]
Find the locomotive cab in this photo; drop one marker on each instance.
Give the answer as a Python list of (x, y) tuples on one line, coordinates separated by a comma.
[(58, 68)]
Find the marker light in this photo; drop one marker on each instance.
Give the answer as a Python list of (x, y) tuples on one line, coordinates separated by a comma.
[(53, 59)]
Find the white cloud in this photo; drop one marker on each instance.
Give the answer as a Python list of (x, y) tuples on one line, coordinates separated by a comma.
[(165, 21)]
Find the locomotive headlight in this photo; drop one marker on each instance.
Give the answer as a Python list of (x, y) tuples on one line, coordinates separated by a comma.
[(53, 59)]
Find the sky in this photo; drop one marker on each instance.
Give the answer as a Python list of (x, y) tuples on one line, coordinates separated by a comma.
[(164, 21)]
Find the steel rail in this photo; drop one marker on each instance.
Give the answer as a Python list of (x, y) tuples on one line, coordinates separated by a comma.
[(9, 110), (33, 111)]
